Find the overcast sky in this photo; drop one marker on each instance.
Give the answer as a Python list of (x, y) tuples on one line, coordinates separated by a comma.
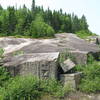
[(90, 8)]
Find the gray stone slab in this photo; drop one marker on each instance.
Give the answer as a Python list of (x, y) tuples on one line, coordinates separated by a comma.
[(71, 79), (67, 65), (42, 65)]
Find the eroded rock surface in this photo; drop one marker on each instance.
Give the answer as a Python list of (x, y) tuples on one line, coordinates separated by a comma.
[(43, 65), (59, 43), (40, 50)]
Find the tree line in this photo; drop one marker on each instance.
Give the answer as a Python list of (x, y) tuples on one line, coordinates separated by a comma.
[(37, 22)]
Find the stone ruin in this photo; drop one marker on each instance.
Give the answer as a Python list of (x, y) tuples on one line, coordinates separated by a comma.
[(47, 58), (43, 65)]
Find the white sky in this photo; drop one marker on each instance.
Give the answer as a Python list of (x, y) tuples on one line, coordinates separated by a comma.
[(90, 8)]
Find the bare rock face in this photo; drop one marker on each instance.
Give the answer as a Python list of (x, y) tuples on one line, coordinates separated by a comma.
[(43, 65), (62, 41), (19, 51)]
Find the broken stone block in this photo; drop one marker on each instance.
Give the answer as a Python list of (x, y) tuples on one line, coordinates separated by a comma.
[(42, 65), (67, 65), (80, 57), (71, 79)]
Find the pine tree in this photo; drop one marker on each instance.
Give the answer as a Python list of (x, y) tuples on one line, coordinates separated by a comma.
[(39, 28), (0, 27), (75, 24), (1, 7), (5, 23), (83, 23), (11, 20), (23, 21), (33, 6)]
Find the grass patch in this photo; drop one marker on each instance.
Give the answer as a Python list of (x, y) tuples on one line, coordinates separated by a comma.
[(90, 81), (31, 88), (84, 34)]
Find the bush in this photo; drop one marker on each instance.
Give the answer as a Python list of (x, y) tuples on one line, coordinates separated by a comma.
[(84, 33), (53, 87), (31, 88), (90, 86), (90, 81), (1, 53), (39, 28), (90, 59), (4, 76), (22, 88)]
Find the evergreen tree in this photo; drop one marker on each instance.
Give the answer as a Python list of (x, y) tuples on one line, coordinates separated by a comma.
[(5, 23), (39, 22), (1, 7), (11, 20), (33, 6), (56, 21), (83, 23), (75, 24), (39, 28), (0, 27)]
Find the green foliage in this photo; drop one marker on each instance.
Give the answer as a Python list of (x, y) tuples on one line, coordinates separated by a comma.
[(75, 23), (4, 76), (83, 23), (91, 77), (66, 55), (31, 88), (1, 53), (84, 34), (12, 21), (53, 87), (24, 22), (33, 6), (39, 28), (90, 59), (22, 88), (18, 53)]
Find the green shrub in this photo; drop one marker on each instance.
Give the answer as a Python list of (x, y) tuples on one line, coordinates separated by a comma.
[(22, 88), (39, 28), (17, 53), (90, 81), (4, 76), (66, 55), (53, 87), (90, 86), (84, 33), (2, 93), (31, 88), (90, 59), (1, 53)]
